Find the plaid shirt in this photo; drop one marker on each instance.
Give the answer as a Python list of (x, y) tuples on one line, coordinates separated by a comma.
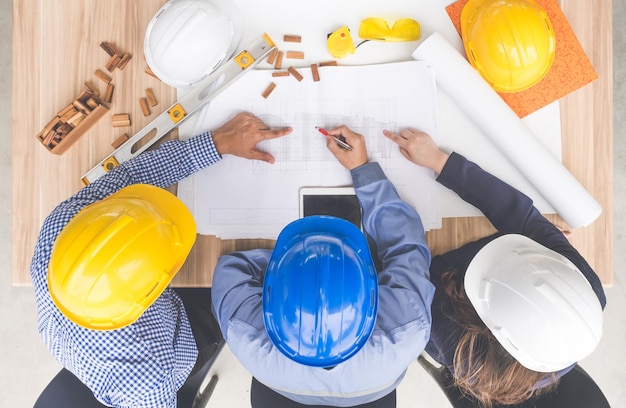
[(146, 362)]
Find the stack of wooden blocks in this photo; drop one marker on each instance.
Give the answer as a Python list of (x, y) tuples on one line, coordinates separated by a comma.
[(71, 122), (76, 118)]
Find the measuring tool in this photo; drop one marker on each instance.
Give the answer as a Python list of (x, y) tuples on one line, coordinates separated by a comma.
[(185, 106)]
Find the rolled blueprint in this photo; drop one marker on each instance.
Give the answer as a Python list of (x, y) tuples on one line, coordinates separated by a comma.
[(484, 107)]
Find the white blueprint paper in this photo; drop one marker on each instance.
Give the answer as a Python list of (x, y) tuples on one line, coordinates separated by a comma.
[(456, 132), (239, 198)]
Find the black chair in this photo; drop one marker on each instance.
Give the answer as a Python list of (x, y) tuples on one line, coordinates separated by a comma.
[(576, 389), (65, 390)]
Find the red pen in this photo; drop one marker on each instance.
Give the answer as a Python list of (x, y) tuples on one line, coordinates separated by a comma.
[(341, 141)]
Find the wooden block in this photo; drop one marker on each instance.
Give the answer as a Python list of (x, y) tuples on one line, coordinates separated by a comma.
[(108, 94), (48, 137), (143, 102), (124, 60), (63, 129), (151, 98), (76, 119), (69, 114), (92, 89), (113, 62), (108, 48), (328, 64), (295, 54), (292, 38), (280, 73), (268, 90), (102, 76), (80, 106), (315, 72), (92, 103), (83, 95), (295, 73), (279, 60), (119, 141), (65, 110), (54, 122), (120, 120), (271, 57), (149, 72)]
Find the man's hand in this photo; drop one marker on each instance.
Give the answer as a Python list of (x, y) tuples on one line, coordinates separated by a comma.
[(419, 148), (240, 135), (350, 159)]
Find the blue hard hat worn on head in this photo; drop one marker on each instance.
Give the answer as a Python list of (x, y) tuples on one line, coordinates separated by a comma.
[(320, 292)]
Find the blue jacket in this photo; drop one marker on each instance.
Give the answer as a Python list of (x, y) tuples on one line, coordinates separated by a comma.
[(510, 212), (403, 321)]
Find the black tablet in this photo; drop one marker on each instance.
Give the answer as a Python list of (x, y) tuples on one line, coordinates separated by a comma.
[(337, 201)]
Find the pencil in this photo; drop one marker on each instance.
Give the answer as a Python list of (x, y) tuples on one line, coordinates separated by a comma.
[(338, 140)]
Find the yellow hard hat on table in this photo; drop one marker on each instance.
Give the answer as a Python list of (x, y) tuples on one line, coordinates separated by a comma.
[(510, 42), (116, 256)]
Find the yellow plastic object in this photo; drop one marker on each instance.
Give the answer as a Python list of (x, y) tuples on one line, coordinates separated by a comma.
[(244, 59), (116, 256), (177, 112), (375, 28), (109, 164), (510, 42), (340, 43)]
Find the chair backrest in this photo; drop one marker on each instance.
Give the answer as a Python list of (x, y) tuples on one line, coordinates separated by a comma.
[(66, 390), (197, 390), (575, 389)]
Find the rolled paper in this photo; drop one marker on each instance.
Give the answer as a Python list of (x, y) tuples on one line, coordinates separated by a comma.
[(499, 123)]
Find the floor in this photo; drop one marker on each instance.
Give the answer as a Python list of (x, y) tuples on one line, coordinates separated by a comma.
[(28, 366)]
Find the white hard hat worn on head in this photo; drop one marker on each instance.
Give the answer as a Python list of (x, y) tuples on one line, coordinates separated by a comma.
[(536, 302), (187, 39)]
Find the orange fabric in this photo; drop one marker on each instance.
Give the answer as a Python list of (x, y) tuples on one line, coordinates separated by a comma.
[(571, 68)]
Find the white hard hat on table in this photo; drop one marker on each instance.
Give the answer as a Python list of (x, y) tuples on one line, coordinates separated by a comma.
[(186, 40), (536, 302)]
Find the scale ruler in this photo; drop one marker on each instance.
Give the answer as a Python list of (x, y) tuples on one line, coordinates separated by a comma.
[(199, 95)]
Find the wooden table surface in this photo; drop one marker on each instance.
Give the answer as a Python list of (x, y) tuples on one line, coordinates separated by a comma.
[(56, 48)]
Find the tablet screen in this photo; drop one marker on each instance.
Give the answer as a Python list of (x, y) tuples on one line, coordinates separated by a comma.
[(336, 201)]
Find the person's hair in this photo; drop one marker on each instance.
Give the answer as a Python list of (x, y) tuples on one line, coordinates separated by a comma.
[(483, 370)]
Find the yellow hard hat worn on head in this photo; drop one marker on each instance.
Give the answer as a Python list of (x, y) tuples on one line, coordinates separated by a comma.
[(116, 256), (510, 42)]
